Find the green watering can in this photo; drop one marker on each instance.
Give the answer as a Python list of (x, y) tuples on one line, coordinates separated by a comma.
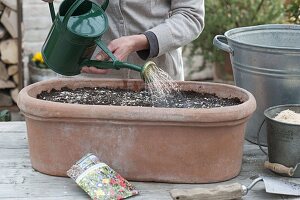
[(76, 31)]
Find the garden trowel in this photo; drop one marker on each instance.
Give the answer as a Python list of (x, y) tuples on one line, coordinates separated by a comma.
[(236, 190)]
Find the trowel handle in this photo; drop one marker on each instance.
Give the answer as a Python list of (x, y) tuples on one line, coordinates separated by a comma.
[(52, 11), (221, 192), (279, 168)]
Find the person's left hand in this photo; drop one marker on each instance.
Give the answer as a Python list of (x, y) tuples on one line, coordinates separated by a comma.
[(121, 48), (94, 70)]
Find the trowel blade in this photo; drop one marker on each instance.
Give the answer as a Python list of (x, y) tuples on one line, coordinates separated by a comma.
[(277, 186)]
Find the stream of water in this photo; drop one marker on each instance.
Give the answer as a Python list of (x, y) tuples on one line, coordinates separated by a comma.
[(160, 86)]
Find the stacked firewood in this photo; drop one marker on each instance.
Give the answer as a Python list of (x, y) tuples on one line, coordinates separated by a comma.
[(9, 75)]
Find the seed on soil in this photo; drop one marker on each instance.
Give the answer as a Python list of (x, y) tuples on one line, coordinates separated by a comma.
[(126, 97)]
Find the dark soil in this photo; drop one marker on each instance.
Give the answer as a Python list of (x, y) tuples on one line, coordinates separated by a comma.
[(124, 97)]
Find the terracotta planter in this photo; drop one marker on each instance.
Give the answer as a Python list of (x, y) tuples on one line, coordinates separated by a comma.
[(142, 144)]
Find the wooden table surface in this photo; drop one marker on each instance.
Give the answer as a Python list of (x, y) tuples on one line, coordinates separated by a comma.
[(19, 181)]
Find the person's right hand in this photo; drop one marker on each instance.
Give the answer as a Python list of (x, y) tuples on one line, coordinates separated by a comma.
[(49, 1), (121, 48)]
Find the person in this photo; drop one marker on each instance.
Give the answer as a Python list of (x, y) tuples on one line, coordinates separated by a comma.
[(142, 30)]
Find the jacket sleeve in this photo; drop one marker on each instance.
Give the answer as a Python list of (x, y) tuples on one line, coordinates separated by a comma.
[(184, 25)]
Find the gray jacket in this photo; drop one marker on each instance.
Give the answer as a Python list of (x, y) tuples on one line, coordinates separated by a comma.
[(174, 22)]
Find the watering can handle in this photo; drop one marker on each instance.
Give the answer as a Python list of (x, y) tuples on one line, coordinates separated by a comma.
[(115, 63), (105, 49), (74, 6), (220, 41), (69, 13), (52, 12), (105, 4)]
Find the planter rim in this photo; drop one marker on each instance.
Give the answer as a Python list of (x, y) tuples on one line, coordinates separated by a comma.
[(33, 107)]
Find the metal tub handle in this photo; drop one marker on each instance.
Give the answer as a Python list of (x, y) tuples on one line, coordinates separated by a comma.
[(221, 42)]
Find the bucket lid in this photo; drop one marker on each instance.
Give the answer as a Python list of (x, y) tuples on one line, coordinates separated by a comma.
[(88, 20)]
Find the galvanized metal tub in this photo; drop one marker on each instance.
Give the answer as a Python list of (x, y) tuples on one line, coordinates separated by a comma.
[(266, 62), (283, 138)]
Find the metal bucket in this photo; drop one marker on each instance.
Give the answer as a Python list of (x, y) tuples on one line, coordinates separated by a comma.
[(283, 138), (266, 62)]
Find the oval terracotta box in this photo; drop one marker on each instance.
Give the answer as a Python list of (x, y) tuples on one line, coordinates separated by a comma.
[(141, 143)]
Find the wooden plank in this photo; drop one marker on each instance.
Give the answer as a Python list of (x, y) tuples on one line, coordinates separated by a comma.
[(13, 141), (13, 127), (33, 191), (19, 181)]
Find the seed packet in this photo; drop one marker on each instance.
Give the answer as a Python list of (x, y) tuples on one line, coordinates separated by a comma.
[(100, 181)]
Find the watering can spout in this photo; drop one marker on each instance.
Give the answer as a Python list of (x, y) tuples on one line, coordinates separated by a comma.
[(144, 70), (111, 65), (114, 63)]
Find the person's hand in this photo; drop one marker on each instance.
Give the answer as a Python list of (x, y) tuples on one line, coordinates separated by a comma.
[(124, 46), (121, 48), (49, 1), (94, 70)]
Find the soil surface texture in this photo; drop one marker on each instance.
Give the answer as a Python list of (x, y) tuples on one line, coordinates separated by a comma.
[(125, 97)]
